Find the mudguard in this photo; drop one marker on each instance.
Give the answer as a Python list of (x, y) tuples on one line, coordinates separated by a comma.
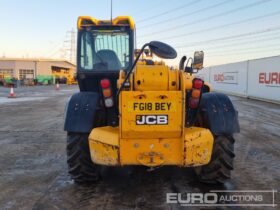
[(219, 113), (80, 111)]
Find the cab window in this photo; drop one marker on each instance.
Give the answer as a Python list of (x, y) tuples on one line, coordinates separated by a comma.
[(105, 50)]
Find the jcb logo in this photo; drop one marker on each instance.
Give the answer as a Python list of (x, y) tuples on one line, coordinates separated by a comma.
[(151, 119)]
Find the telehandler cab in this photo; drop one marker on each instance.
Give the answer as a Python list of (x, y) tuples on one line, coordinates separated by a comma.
[(133, 111)]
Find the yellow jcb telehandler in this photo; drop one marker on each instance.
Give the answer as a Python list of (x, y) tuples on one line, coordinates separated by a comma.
[(141, 112)]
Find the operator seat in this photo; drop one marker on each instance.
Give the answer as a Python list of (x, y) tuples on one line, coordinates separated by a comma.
[(111, 58)]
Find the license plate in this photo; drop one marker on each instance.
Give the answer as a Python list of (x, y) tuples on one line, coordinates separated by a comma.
[(151, 107)]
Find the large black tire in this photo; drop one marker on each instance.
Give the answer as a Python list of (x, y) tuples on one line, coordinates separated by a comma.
[(218, 170), (80, 166)]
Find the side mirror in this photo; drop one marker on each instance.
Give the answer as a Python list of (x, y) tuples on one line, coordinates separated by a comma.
[(198, 60), (162, 50)]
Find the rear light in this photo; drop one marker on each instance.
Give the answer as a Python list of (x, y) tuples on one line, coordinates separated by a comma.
[(195, 93), (105, 83), (197, 83), (193, 103), (107, 93), (108, 102)]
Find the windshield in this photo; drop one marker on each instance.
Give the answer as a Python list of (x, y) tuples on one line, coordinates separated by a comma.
[(104, 50)]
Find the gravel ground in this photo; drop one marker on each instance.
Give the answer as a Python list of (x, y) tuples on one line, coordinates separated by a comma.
[(33, 170)]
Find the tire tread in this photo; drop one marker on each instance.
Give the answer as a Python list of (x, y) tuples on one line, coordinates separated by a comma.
[(218, 170), (80, 166)]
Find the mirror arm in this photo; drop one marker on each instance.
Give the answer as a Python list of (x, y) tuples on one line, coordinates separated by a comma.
[(191, 66), (132, 67), (190, 58), (182, 62)]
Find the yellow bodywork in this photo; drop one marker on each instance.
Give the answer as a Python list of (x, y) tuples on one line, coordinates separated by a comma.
[(156, 91), (137, 103), (152, 111), (104, 145), (198, 144), (108, 149), (84, 21)]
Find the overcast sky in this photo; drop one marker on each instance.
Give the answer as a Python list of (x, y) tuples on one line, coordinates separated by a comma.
[(227, 30)]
